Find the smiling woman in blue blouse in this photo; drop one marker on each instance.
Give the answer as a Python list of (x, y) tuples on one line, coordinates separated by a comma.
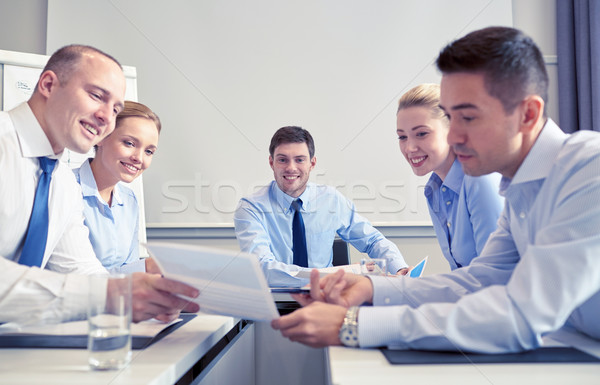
[(464, 209), (110, 208)]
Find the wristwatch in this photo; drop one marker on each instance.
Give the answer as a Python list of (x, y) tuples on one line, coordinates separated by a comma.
[(349, 330)]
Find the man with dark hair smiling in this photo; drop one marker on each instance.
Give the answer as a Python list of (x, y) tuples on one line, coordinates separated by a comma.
[(539, 271), (265, 222)]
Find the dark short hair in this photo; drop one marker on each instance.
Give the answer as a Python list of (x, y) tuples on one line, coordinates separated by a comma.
[(510, 61), (64, 61), (292, 134)]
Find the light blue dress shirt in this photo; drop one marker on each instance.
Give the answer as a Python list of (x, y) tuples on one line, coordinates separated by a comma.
[(464, 211), (113, 229), (539, 271), (263, 226)]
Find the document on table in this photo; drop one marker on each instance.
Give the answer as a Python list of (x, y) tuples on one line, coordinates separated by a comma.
[(415, 272), (354, 269), (230, 282)]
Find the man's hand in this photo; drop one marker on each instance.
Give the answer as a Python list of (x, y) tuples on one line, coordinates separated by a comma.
[(316, 325), (157, 297), (403, 271), (339, 288), (152, 266)]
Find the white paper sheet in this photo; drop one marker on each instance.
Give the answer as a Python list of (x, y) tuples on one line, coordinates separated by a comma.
[(230, 282), (353, 269), (19, 84)]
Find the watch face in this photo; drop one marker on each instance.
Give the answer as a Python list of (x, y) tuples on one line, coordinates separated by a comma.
[(349, 336), (349, 330)]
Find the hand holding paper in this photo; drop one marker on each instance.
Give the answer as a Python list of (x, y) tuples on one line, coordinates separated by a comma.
[(230, 283)]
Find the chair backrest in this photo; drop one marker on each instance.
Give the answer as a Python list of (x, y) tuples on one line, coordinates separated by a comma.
[(341, 254)]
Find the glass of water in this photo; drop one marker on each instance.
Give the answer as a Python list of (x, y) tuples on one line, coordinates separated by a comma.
[(373, 266), (109, 321)]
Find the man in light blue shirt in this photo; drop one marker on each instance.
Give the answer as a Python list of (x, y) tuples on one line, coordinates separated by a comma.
[(538, 272), (263, 221)]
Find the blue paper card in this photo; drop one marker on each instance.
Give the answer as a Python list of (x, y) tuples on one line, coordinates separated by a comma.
[(417, 271)]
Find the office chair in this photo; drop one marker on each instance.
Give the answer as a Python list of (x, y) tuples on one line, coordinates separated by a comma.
[(341, 254)]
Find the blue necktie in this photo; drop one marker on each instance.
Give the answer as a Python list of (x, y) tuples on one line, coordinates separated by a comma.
[(299, 236), (37, 233)]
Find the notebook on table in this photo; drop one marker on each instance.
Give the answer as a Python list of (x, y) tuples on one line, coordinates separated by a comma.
[(74, 334), (540, 355)]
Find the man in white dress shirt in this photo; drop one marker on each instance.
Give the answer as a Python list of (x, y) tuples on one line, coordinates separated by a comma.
[(75, 103)]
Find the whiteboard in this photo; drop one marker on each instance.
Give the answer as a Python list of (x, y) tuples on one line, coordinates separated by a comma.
[(224, 75), (20, 72)]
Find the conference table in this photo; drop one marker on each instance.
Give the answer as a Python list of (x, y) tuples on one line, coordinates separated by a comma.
[(198, 348), (213, 349), (360, 366)]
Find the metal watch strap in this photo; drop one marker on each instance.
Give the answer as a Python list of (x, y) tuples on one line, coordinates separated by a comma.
[(349, 331)]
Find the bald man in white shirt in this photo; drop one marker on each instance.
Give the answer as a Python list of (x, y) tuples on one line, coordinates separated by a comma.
[(75, 103)]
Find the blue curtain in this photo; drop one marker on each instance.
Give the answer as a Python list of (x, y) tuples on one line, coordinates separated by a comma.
[(578, 50)]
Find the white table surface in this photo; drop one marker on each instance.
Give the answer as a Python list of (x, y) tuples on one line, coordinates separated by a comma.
[(369, 366), (164, 362)]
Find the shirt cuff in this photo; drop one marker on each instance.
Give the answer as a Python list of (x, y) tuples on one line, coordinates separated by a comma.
[(138, 266), (387, 290), (395, 264), (75, 297), (378, 326)]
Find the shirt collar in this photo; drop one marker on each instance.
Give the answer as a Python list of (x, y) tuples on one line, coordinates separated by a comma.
[(89, 187), (540, 159), (433, 184), (453, 181), (285, 201), (455, 177), (116, 195), (32, 139)]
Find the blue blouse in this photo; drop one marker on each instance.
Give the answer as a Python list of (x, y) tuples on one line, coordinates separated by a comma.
[(464, 211), (113, 229)]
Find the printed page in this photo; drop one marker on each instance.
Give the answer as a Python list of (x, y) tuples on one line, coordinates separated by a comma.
[(230, 282), (353, 269)]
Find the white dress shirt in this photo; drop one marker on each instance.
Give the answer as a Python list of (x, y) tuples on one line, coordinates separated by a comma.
[(538, 271), (24, 291)]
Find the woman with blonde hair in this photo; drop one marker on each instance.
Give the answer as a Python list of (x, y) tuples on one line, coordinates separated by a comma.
[(110, 208), (464, 209)]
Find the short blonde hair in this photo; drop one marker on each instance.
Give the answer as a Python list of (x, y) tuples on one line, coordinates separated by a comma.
[(424, 95), (138, 110)]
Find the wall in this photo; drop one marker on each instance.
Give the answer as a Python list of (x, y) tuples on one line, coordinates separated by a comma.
[(23, 26), (537, 18), (29, 18), (224, 75)]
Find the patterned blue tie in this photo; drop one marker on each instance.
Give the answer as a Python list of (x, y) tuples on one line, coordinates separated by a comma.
[(299, 236), (37, 233)]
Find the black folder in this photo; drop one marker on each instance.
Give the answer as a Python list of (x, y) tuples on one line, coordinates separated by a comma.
[(16, 340), (540, 355)]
